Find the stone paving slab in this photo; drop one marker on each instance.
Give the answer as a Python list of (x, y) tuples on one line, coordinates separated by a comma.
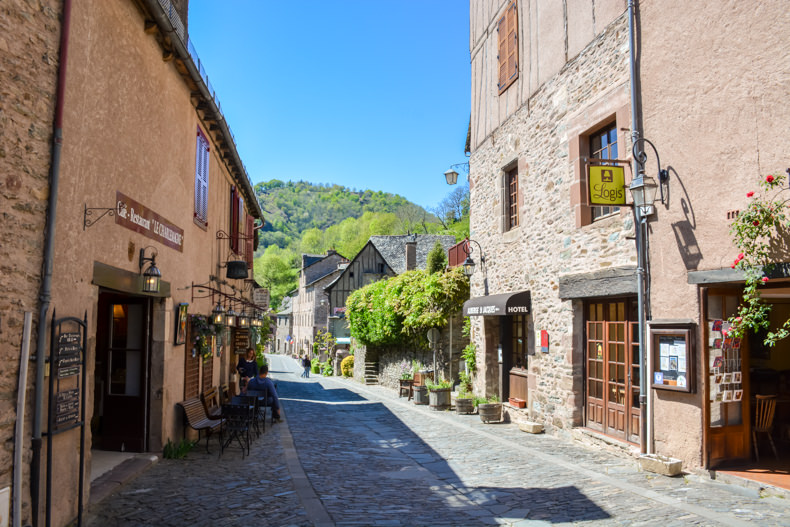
[(350, 455)]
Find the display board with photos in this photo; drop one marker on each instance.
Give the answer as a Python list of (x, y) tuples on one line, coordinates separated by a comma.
[(673, 358), (725, 367)]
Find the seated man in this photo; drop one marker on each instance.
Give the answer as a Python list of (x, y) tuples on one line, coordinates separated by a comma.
[(263, 382)]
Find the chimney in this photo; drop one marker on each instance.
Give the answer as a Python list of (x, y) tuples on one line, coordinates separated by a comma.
[(411, 255)]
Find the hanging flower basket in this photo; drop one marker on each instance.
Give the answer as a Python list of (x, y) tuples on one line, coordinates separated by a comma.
[(202, 332)]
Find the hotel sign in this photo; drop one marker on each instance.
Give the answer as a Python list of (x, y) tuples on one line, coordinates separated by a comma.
[(140, 218), (607, 185)]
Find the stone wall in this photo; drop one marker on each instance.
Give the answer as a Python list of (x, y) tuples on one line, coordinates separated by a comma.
[(29, 51), (547, 244)]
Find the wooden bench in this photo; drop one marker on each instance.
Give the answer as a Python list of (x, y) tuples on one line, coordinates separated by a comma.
[(210, 399), (196, 418)]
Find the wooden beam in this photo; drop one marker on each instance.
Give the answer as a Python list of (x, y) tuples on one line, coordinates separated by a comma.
[(168, 55), (150, 27)]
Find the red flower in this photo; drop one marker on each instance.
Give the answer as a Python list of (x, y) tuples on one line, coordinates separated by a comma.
[(738, 319), (769, 179), (740, 256), (764, 279), (750, 194), (733, 266), (755, 223)]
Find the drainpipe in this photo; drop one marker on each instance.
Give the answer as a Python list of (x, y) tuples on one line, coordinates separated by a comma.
[(49, 242), (641, 233)]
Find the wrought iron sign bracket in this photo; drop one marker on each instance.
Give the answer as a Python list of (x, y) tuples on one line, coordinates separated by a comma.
[(89, 211)]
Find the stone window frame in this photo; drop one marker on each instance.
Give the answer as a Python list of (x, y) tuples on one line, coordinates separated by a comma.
[(613, 107), (519, 167)]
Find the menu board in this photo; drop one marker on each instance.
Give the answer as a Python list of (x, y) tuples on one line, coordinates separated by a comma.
[(241, 340), (673, 359)]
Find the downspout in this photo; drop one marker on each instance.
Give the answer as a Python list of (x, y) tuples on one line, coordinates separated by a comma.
[(641, 226), (49, 242)]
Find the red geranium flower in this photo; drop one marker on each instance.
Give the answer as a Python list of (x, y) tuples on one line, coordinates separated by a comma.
[(740, 256), (750, 194), (738, 319), (764, 279), (733, 266), (755, 223), (769, 179)]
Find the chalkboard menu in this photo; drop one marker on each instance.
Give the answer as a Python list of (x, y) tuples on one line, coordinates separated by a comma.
[(241, 340)]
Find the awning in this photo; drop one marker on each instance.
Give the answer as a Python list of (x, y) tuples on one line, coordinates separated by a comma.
[(518, 303), (343, 340)]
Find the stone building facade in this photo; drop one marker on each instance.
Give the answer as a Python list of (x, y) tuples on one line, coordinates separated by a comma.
[(529, 131), (148, 169), (552, 95), (29, 58), (310, 306)]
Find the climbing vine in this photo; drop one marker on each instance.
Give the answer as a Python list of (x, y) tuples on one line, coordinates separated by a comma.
[(404, 307), (758, 232)]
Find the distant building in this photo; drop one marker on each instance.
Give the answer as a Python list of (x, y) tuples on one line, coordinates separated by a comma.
[(283, 342), (310, 305)]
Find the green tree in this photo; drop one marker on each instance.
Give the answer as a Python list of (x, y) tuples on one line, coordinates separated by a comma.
[(437, 259), (275, 270)]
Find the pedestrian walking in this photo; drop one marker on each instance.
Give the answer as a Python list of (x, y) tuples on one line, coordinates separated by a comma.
[(306, 365)]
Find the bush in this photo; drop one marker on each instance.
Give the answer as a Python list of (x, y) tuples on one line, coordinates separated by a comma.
[(326, 369), (315, 365), (347, 366), (177, 451)]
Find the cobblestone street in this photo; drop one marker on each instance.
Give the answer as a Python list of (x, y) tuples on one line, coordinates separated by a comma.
[(348, 454)]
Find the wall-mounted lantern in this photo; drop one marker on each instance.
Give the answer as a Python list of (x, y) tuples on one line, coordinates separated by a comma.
[(152, 275)]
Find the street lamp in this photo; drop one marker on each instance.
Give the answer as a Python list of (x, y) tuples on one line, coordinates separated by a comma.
[(218, 314), (643, 191), (152, 275), (451, 176)]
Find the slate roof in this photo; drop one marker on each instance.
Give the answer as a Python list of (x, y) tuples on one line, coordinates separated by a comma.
[(393, 248)]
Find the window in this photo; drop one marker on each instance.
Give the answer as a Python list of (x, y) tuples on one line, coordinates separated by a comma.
[(507, 30), (510, 199), (201, 180), (603, 145)]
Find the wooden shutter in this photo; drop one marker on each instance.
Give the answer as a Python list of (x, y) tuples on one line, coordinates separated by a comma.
[(503, 201), (249, 234), (234, 220), (507, 29), (241, 218), (201, 178)]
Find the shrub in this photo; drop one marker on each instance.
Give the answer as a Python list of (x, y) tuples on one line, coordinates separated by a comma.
[(315, 365), (177, 451), (326, 369), (347, 366)]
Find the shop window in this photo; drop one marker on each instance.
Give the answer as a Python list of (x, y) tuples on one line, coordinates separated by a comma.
[(507, 36), (201, 179), (603, 145)]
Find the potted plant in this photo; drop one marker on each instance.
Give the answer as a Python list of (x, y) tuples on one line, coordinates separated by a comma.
[(439, 394), (464, 403), (490, 410)]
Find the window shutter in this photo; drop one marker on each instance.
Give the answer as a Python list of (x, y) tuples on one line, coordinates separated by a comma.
[(201, 178), (249, 233), (240, 246), (502, 48), (234, 221), (507, 30), (512, 43)]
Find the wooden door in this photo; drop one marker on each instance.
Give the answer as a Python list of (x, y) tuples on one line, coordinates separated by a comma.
[(727, 422), (122, 351), (612, 370)]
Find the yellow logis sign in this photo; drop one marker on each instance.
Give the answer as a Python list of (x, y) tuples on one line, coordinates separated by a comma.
[(607, 185)]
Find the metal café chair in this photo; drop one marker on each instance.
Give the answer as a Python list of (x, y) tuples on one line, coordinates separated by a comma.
[(237, 424), (261, 398)]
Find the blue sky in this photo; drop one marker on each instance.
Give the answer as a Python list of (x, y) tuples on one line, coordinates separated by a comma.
[(363, 93)]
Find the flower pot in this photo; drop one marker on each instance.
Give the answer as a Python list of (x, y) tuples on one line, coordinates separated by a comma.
[(465, 406), (490, 412), (420, 395), (439, 398)]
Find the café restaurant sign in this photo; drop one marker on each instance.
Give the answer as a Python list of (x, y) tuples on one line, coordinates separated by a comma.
[(607, 184), (140, 218)]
